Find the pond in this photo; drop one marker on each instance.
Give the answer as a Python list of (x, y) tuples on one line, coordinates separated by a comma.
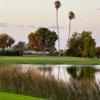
[(67, 72)]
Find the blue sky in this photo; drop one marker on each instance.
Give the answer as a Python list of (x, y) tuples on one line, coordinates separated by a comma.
[(19, 18)]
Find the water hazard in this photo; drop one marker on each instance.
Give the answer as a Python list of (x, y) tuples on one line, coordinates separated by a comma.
[(67, 72)]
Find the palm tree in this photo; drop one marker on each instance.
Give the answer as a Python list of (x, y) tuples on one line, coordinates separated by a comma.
[(71, 16), (57, 6)]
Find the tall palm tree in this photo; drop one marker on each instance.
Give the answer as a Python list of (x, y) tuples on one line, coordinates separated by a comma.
[(57, 6), (71, 16)]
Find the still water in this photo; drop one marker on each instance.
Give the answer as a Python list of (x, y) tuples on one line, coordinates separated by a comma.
[(67, 72)]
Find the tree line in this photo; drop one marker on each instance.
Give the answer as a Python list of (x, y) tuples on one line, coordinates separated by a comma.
[(79, 45), (43, 39), (37, 47)]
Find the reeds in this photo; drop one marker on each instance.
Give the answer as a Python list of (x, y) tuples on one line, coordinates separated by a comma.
[(14, 80)]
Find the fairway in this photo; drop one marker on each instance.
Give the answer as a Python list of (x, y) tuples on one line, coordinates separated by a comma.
[(9, 96), (48, 60)]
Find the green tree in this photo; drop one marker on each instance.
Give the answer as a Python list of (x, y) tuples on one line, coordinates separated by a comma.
[(42, 39), (81, 44), (20, 46), (6, 41), (89, 47), (57, 6), (71, 16), (75, 45), (51, 50), (98, 52), (86, 46)]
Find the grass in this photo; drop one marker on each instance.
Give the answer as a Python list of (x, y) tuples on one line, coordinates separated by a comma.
[(10, 96), (37, 59), (31, 83)]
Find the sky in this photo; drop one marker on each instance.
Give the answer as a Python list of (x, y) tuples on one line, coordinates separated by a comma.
[(18, 18)]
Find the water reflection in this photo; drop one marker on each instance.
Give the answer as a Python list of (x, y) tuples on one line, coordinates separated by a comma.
[(66, 72), (81, 73), (45, 70)]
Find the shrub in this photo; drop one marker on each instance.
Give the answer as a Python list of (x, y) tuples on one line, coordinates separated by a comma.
[(61, 53), (11, 53), (72, 53), (56, 53)]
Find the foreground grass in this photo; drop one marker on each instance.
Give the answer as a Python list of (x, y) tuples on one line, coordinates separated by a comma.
[(9, 96), (31, 83), (29, 59)]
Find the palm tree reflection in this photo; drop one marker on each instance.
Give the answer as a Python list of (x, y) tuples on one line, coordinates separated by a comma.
[(45, 70)]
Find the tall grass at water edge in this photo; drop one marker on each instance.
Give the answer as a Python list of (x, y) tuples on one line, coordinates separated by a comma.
[(31, 83)]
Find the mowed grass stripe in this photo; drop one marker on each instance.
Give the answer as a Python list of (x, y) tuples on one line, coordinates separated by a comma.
[(41, 58), (49, 60), (9, 96)]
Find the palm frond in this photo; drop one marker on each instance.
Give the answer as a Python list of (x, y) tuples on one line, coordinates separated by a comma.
[(57, 4), (71, 15)]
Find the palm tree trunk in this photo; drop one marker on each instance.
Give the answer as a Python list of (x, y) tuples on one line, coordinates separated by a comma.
[(43, 51), (68, 36), (64, 72), (58, 31), (69, 30), (58, 73), (44, 71)]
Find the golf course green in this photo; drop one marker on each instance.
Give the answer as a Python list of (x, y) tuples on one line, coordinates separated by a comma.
[(31, 59)]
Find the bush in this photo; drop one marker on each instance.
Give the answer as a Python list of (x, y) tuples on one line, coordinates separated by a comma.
[(29, 53), (11, 53), (72, 53), (61, 53), (56, 53)]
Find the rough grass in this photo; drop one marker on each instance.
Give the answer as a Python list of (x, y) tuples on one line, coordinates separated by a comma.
[(31, 83), (10, 96), (32, 59)]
